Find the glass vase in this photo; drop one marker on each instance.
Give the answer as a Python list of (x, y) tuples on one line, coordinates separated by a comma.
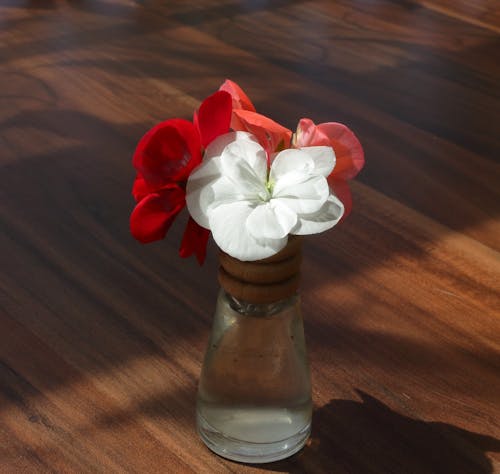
[(254, 396)]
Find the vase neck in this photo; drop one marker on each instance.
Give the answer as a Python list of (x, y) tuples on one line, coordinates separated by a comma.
[(247, 308), (263, 282)]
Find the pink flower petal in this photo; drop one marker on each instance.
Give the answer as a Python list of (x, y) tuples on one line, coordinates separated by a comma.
[(343, 192), (348, 151), (309, 135), (347, 148)]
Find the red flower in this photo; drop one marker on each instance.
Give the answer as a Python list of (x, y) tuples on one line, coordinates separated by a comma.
[(155, 212), (164, 158), (240, 99), (168, 152), (271, 135)]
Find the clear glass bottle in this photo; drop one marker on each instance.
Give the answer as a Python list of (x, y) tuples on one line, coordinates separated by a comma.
[(254, 396)]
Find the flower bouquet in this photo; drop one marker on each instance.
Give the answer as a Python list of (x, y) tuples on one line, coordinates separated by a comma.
[(244, 177), (256, 187)]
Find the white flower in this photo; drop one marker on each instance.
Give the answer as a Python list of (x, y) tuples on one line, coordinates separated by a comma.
[(250, 211)]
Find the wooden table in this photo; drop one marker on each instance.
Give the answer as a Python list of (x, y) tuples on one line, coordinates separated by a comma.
[(101, 339)]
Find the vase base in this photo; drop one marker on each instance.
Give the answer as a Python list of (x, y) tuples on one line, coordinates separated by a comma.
[(251, 452)]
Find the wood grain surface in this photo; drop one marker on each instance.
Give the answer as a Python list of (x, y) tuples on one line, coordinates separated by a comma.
[(101, 339)]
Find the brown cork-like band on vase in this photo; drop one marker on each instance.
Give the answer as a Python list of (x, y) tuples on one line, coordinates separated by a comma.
[(261, 273), (263, 281)]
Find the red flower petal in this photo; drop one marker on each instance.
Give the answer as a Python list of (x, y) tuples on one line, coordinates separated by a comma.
[(154, 214), (214, 116), (168, 152), (348, 149), (194, 240), (271, 135), (343, 192), (139, 189), (240, 99)]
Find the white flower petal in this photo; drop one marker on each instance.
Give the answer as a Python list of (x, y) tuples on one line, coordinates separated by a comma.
[(323, 157), (288, 181), (244, 162), (216, 147), (303, 197), (198, 190), (230, 233), (329, 214), (294, 162), (271, 220), (223, 191)]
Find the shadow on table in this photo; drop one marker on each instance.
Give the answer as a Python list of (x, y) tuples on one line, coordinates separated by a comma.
[(368, 437)]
